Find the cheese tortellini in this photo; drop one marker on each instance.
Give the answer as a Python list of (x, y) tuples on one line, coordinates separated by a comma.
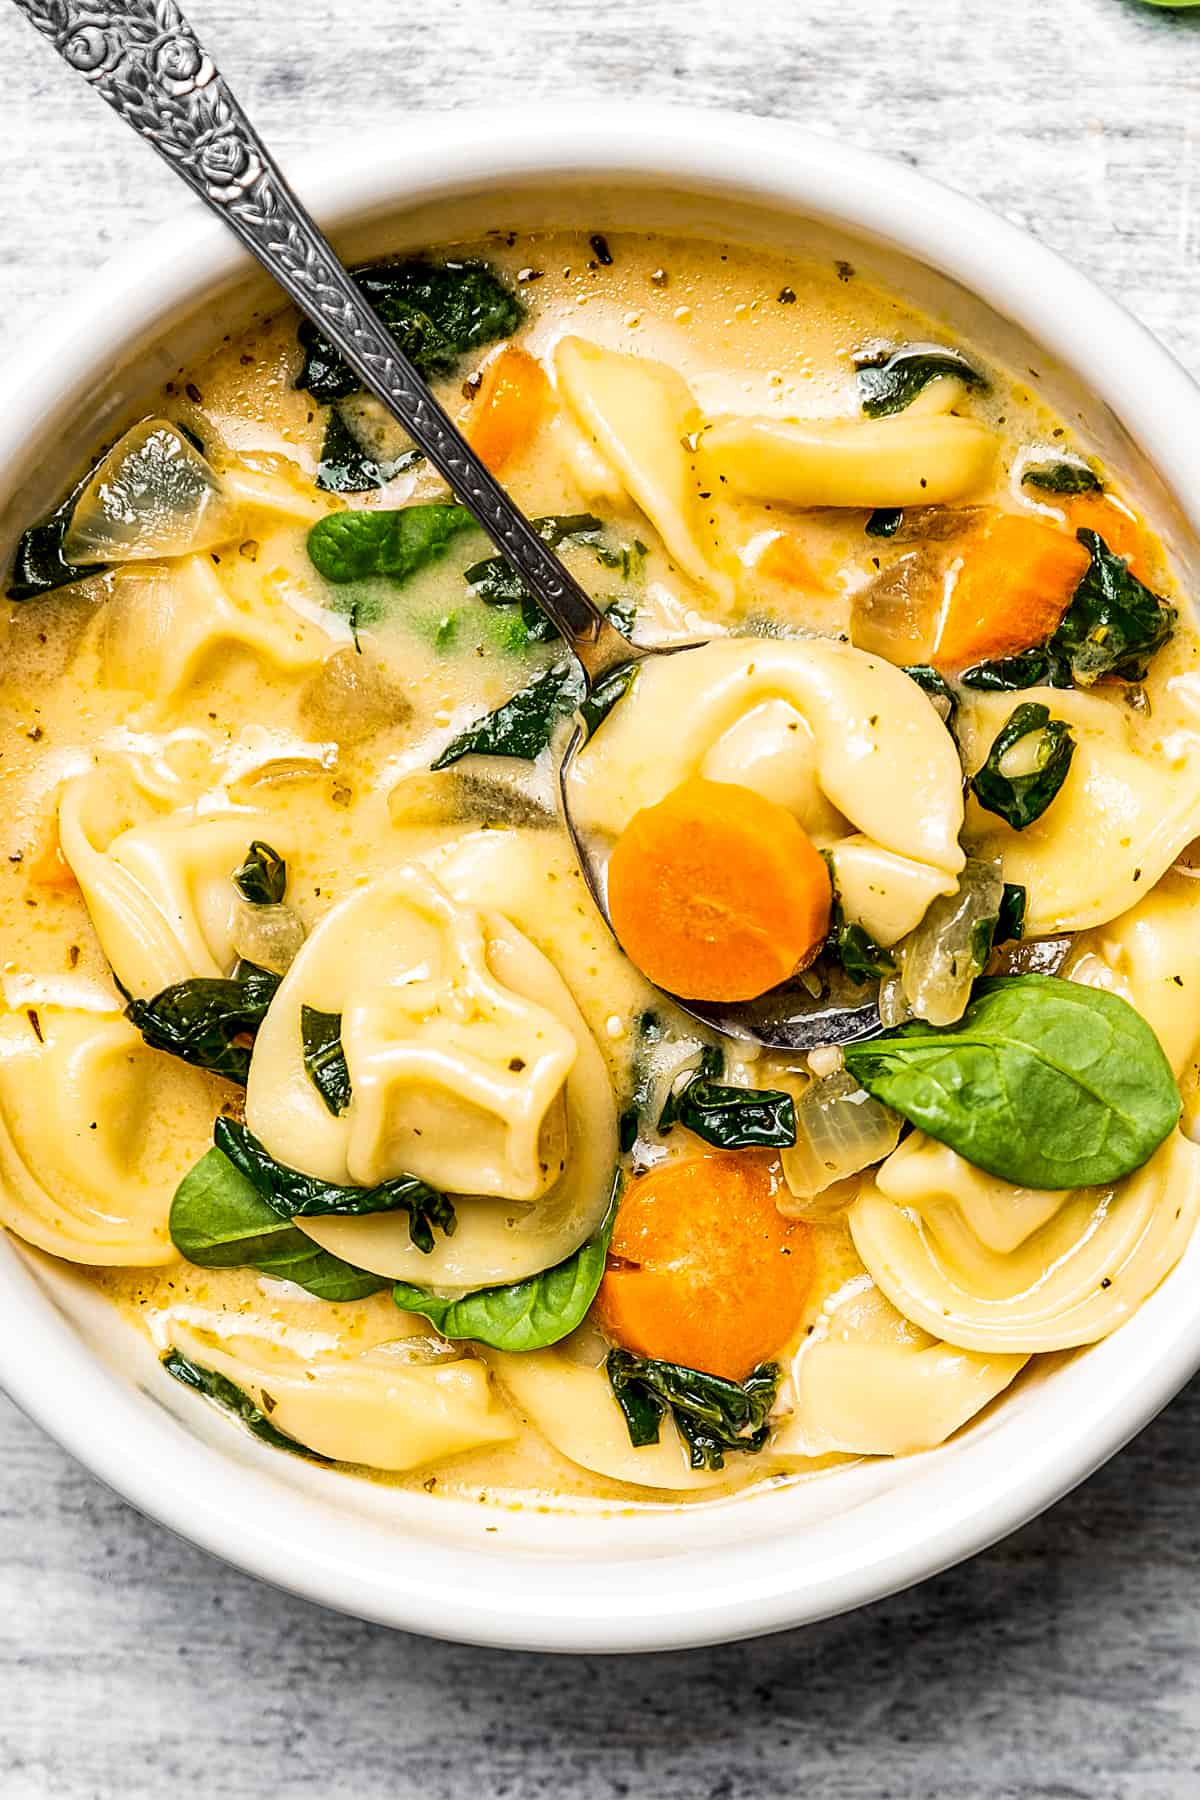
[(868, 1382), (996, 1268), (1129, 805), (158, 885), (96, 1132), (396, 1404), (470, 1067)]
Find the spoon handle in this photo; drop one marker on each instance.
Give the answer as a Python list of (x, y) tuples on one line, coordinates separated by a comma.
[(143, 57)]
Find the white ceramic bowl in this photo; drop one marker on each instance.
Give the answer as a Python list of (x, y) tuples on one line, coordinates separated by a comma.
[(595, 1580)]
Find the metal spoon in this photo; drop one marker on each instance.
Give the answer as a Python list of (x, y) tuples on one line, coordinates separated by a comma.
[(144, 58)]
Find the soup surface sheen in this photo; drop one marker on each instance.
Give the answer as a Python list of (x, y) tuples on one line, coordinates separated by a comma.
[(486, 1212)]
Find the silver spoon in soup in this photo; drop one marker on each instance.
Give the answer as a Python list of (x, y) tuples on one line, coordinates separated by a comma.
[(148, 64)]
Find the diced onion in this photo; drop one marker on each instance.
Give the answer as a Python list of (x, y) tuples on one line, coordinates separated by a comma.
[(840, 1131), (894, 615), (152, 496), (948, 949), (270, 936)]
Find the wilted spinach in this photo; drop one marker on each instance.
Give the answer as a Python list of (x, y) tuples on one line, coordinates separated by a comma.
[(884, 522), (219, 1220), (525, 724), (262, 878), (729, 1118), (1043, 1082), (294, 1195), (1020, 799), (435, 311), (208, 1021), (523, 1315), (1114, 623), (1042, 667), (1010, 922), (347, 468), (393, 542), (934, 683), (888, 381), (235, 1400), (713, 1416), (324, 1058), (1062, 478), (39, 565)]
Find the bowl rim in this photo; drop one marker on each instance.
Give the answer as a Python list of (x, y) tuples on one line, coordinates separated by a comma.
[(131, 1443)]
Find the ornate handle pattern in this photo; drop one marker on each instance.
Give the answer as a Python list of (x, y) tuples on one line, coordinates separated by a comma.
[(143, 57)]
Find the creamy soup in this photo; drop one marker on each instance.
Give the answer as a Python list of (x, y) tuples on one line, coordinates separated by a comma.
[(316, 1056)]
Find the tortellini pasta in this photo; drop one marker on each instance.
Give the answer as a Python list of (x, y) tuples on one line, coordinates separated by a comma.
[(992, 1267), (867, 1382), (637, 414), (95, 1133), (905, 461), (158, 886), (1151, 957), (166, 625), (470, 1067), (854, 740), (1129, 805), (388, 1406)]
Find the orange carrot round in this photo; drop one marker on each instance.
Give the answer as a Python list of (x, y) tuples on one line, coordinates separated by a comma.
[(703, 1269), (717, 893), (1014, 584), (508, 406)]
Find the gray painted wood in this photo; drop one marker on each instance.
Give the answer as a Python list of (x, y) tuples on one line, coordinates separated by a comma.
[(1064, 1663)]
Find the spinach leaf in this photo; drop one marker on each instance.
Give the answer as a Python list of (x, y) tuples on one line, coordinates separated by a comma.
[(884, 522), (262, 878), (607, 690), (347, 468), (39, 565), (1010, 922), (1043, 1082), (1114, 623), (236, 1400), (729, 1118), (524, 1315), (713, 1416), (524, 725), (435, 311), (206, 1021), (1041, 667), (293, 1195), (394, 542), (324, 1058), (496, 582), (934, 683), (860, 956), (888, 382), (219, 1220), (1062, 478), (1020, 799)]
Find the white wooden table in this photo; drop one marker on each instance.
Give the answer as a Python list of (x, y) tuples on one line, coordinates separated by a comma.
[(1064, 1663)]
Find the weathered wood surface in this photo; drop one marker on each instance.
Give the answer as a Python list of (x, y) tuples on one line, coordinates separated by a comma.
[(1064, 1663)]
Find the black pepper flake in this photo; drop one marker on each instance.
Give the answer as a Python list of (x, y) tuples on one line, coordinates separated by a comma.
[(17, 856), (845, 270), (1105, 1281), (600, 250), (787, 296), (36, 735), (193, 393)]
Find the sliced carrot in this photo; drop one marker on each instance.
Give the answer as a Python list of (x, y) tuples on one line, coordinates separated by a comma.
[(717, 893), (508, 406), (786, 561), (1120, 528), (703, 1269), (1014, 584)]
